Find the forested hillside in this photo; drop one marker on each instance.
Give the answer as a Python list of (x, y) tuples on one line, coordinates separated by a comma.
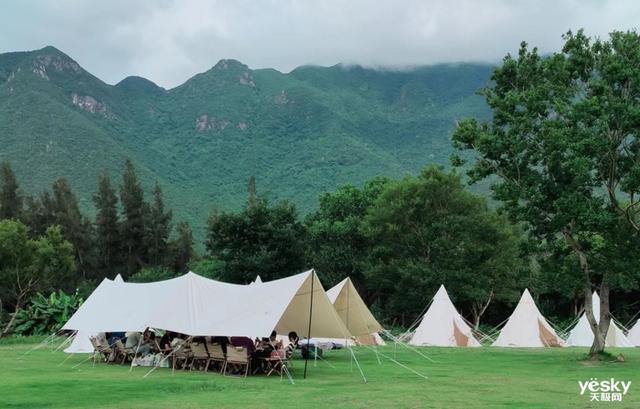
[(299, 133)]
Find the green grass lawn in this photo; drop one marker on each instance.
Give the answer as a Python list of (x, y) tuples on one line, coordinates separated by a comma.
[(461, 378)]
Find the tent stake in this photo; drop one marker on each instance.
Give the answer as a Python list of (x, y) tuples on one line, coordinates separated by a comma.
[(313, 272)]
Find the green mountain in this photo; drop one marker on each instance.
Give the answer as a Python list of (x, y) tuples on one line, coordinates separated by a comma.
[(298, 133)]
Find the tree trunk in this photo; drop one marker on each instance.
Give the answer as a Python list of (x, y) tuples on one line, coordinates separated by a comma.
[(597, 328), (7, 329), (478, 309), (600, 330)]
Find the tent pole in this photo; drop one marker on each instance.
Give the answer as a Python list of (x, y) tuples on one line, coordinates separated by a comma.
[(313, 273), (137, 350)]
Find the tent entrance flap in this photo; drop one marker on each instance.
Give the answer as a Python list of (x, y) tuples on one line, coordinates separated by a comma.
[(461, 339), (547, 337)]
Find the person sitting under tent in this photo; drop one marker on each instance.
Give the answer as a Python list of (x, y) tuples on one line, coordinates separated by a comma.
[(293, 344), (165, 342), (266, 348), (132, 339), (112, 337), (149, 344), (274, 342)]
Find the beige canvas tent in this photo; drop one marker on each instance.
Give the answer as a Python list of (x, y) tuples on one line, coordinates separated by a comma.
[(582, 335), (355, 314), (527, 327), (442, 325), (194, 305)]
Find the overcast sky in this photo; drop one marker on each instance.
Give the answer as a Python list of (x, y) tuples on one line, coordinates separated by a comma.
[(169, 41)]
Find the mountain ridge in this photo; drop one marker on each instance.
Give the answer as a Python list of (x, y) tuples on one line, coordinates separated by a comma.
[(299, 133)]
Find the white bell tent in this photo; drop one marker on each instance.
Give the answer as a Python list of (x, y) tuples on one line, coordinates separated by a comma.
[(197, 306), (582, 336), (442, 325), (527, 327), (634, 334), (355, 314), (81, 343)]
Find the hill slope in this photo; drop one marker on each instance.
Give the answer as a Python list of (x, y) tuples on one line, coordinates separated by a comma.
[(299, 133)]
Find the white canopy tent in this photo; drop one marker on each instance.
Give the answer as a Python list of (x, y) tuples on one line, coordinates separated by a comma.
[(442, 325), (582, 335), (355, 314), (634, 334), (194, 305), (527, 327)]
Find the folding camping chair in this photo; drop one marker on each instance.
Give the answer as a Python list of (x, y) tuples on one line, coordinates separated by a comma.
[(237, 356), (100, 349), (216, 354), (199, 355), (182, 354), (122, 352)]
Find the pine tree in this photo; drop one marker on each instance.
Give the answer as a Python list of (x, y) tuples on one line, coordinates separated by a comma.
[(158, 228), (132, 226), (107, 225), (39, 213), (10, 200), (181, 248), (75, 227)]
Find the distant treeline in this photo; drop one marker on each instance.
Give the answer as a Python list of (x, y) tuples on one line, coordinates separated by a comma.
[(397, 239)]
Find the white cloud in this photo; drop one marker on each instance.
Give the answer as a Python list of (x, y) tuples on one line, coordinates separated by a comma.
[(169, 41)]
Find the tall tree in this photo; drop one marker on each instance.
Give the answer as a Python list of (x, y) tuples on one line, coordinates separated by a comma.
[(564, 150), (429, 230), (265, 240), (39, 213), (75, 227), (133, 223), (28, 265), (10, 200), (181, 248), (158, 228), (107, 226), (338, 245)]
